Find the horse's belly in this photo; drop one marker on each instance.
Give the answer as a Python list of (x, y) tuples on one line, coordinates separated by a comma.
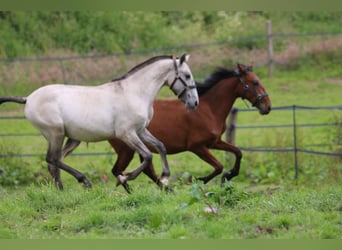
[(89, 133)]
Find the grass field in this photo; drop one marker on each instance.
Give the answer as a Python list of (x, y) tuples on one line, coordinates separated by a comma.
[(264, 201), (191, 211)]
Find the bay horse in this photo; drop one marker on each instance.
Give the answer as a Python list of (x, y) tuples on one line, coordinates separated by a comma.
[(200, 130), (119, 109)]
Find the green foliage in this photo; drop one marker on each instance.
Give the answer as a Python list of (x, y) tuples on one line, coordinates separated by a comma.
[(12, 170), (33, 33)]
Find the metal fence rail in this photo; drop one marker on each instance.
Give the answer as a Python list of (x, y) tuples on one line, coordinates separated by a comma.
[(232, 126), (267, 37), (61, 61)]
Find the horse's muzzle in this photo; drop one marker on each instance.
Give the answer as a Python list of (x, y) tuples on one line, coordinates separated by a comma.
[(264, 109), (191, 105)]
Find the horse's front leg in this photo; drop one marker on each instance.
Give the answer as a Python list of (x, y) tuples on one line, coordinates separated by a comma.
[(204, 153), (124, 156), (135, 143), (221, 145), (149, 139)]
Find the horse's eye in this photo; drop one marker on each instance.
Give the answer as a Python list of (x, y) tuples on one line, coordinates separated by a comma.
[(255, 83), (187, 76)]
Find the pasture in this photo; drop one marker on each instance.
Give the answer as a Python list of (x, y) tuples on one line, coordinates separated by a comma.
[(264, 201)]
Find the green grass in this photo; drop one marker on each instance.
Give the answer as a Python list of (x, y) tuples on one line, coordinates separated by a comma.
[(40, 211)]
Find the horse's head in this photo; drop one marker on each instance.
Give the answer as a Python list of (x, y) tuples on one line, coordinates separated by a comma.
[(183, 84), (253, 89)]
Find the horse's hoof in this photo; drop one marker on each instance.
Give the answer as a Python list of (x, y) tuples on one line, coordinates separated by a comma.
[(121, 180), (164, 181), (59, 186), (87, 183), (127, 188), (226, 177), (168, 190), (203, 179)]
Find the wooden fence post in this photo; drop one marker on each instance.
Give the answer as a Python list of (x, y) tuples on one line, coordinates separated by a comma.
[(231, 125), (63, 71), (270, 48)]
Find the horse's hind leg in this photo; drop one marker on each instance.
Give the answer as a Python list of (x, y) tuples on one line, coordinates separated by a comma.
[(51, 155), (56, 175), (124, 156), (69, 146), (148, 138), (150, 172), (53, 158)]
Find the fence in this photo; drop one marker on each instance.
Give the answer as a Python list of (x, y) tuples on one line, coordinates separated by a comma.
[(270, 59), (232, 127)]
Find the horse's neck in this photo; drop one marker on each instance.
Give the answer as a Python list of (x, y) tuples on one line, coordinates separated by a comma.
[(149, 80), (221, 98)]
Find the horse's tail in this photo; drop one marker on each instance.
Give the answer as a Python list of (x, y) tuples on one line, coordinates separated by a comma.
[(21, 100)]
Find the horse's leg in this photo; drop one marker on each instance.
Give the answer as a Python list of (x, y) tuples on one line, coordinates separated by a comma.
[(150, 172), (221, 145), (134, 142), (148, 138), (124, 156), (54, 155), (56, 176), (51, 155), (205, 155), (69, 146)]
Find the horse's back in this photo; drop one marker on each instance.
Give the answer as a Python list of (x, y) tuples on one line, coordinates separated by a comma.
[(84, 113)]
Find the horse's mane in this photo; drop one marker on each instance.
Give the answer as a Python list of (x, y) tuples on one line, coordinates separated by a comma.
[(141, 65), (219, 74), (211, 80)]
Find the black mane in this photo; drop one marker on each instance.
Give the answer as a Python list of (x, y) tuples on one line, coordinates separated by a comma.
[(141, 65), (218, 75)]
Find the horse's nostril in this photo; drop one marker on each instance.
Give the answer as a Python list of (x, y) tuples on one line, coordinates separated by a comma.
[(196, 103)]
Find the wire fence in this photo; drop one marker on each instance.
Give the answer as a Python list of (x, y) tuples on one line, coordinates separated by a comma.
[(232, 127), (270, 59)]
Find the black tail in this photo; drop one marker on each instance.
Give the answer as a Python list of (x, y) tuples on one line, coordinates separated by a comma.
[(16, 99)]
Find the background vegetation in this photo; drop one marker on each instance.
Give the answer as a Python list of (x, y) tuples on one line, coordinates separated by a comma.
[(264, 201), (26, 34)]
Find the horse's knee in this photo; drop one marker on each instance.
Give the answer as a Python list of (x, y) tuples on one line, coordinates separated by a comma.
[(122, 162), (219, 170), (115, 171), (162, 148), (238, 155), (148, 159)]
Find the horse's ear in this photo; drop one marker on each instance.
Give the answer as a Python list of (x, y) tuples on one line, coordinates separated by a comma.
[(184, 58), (242, 68), (251, 66)]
